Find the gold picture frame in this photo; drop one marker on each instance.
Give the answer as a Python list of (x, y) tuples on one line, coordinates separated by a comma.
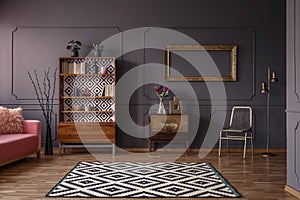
[(233, 55)]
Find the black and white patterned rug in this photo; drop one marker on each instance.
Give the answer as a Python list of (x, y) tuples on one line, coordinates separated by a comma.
[(138, 180)]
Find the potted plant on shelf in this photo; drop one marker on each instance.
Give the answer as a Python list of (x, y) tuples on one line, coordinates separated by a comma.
[(97, 49), (74, 46)]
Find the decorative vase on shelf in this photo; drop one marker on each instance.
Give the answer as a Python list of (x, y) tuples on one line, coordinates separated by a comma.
[(103, 70), (97, 53), (161, 107), (97, 49)]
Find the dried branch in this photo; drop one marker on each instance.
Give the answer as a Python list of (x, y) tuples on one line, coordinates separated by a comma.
[(53, 91), (44, 93), (36, 93), (39, 87)]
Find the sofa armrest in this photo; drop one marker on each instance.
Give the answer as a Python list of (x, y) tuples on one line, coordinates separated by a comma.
[(33, 127)]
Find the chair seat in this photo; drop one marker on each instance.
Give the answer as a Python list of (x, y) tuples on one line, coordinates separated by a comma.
[(236, 130), (235, 137)]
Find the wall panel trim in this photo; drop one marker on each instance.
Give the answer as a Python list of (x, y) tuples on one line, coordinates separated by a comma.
[(295, 134), (46, 27), (295, 51), (251, 29), (292, 111)]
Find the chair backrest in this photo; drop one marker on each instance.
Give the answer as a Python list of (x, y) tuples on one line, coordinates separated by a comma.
[(241, 117)]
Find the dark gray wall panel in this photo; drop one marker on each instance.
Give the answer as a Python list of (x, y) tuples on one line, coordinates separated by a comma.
[(44, 27), (293, 151), (37, 48), (244, 38), (293, 103)]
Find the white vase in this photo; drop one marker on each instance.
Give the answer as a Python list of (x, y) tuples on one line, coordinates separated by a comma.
[(161, 107)]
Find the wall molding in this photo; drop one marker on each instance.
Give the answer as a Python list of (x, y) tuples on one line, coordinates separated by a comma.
[(253, 32), (295, 134), (13, 93), (295, 52), (292, 111)]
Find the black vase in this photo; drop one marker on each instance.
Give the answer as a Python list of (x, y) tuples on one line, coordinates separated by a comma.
[(75, 53), (48, 145)]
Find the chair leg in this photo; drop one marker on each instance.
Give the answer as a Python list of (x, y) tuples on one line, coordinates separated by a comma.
[(245, 145), (252, 144), (187, 147), (220, 143), (60, 149), (227, 141)]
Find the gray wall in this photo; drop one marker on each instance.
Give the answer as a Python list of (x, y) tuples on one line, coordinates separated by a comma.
[(293, 101), (40, 30)]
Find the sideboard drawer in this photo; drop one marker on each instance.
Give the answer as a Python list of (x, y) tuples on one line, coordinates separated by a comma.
[(87, 132), (157, 120)]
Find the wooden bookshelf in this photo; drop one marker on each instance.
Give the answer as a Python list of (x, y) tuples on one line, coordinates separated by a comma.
[(84, 82)]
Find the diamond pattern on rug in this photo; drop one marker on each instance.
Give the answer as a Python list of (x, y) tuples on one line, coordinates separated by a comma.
[(143, 180)]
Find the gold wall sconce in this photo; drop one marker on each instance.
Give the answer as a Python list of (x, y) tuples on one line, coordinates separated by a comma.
[(266, 89)]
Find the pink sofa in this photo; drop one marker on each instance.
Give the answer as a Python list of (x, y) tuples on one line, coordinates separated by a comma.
[(17, 146)]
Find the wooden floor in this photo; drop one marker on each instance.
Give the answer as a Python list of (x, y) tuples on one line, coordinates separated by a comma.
[(254, 178)]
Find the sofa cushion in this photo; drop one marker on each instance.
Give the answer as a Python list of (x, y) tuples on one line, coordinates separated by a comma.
[(14, 146), (11, 120)]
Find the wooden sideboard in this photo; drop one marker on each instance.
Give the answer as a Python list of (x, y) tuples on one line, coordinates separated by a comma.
[(158, 133), (91, 134)]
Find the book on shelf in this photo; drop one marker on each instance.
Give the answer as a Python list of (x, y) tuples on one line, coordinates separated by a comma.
[(109, 90), (73, 68)]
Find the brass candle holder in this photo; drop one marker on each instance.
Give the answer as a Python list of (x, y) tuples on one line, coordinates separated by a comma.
[(266, 89)]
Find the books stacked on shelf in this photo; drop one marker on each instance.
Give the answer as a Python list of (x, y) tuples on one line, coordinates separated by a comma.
[(109, 90), (73, 68)]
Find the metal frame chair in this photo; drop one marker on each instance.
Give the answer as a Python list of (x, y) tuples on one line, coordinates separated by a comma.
[(240, 128)]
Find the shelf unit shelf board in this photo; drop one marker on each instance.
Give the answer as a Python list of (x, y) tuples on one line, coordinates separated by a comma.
[(83, 111), (87, 97), (87, 74)]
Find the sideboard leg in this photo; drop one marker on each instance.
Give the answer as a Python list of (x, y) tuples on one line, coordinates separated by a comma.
[(60, 149), (150, 145), (113, 149)]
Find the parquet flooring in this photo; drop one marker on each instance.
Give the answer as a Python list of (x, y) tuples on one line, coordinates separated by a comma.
[(254, 178)]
